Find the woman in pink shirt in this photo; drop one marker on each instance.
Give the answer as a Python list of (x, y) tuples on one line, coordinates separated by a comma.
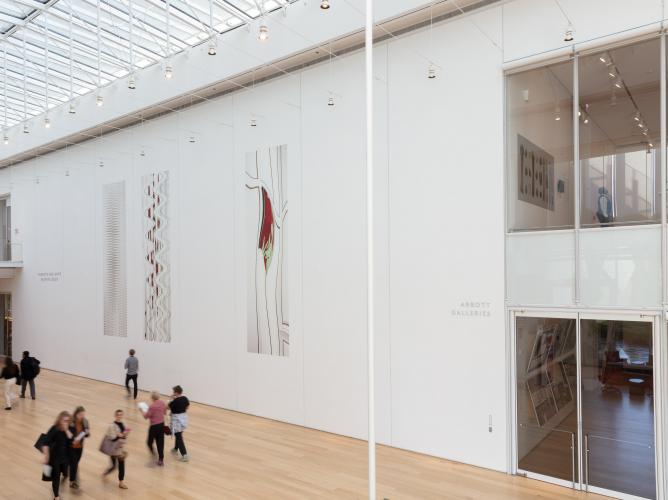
[(156, 432)]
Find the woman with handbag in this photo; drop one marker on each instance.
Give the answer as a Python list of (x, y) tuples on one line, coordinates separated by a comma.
[(80, 429), (113, 445), (55, 448), (155, 414)]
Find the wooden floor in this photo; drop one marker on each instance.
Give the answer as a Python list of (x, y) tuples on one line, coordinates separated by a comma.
[(233, 456)]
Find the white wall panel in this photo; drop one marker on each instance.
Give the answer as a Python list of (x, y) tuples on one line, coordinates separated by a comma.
[(446, 244)]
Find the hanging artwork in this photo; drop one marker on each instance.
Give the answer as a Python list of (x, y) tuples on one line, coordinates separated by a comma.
[(114, 281), (535, 168), (266, 182), (157, 308)]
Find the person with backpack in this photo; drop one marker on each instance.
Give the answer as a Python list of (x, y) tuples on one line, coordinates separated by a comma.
[(604, 207), (9, 374), (29, 371)]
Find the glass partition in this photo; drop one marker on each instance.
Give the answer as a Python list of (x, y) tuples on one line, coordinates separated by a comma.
[(539, 135), (547, 397), (619, 98), (618, 406)]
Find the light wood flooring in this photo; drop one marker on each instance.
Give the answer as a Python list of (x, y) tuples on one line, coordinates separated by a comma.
[(233, 456)]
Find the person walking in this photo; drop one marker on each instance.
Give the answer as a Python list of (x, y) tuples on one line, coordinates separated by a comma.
[(178, 406), (131, 372), (80, 429), (155, 414), (29, 371), (55, 449), (117, 433), (9, 373)]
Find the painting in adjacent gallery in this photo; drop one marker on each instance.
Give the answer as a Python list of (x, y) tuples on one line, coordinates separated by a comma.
[(114, 278), (157, 307), (266, 202)]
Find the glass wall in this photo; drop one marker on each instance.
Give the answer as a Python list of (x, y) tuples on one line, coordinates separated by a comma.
[(619, 98), (618, 405), (547, 397), (539, 135), (619, 102)]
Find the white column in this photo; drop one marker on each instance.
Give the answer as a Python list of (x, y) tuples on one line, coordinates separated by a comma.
[(368, 52)]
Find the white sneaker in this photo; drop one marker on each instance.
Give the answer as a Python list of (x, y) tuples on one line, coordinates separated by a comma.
[(185, 458)]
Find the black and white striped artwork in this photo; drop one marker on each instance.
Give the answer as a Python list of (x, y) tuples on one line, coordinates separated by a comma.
[(114, 260)]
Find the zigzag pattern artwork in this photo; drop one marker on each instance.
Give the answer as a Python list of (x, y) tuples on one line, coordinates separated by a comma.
[(114, 281), (157, 307)]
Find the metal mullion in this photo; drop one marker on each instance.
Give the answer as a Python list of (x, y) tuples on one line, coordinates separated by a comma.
[(233, 10), (110, 58), (35, 63), (30, 90), (34, 67), (158, 29), (34, 81), (182, 16), (19, 103), (79, 63)]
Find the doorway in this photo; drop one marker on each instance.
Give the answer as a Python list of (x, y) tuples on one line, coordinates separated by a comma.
[(584, 401), (6, 324)]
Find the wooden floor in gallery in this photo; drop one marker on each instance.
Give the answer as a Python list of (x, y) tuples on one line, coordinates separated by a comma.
[(233, 456)]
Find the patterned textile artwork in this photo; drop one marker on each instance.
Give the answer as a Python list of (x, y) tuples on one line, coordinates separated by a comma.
[(157, 308), (268, 325), (114, 280)]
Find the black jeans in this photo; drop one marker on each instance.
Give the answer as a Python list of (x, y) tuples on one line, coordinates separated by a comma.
[(56, 471), (120, 463), (24, 383), (134, 382), (179, 444), (157, 433), (75, 457)]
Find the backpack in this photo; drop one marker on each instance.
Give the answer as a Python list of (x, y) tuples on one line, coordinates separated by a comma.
[(35, 366)]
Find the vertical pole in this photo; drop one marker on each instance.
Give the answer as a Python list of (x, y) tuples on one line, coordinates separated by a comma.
[(576, 173), (660, 332), (131, 22), (368, 53), (46, 65), (71, 58), (99, 48), (25, 79)]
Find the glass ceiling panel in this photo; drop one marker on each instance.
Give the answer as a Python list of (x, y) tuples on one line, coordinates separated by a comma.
[(59, 39)]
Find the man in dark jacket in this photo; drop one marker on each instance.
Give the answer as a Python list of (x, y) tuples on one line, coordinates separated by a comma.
[(29, 370)]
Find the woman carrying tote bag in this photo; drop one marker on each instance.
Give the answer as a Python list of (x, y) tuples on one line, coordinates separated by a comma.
[(113, 445)]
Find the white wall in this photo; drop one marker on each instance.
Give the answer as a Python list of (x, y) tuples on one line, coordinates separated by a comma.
[(440, 371)]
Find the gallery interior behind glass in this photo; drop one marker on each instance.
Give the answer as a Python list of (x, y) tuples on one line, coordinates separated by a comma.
[(191, 179)]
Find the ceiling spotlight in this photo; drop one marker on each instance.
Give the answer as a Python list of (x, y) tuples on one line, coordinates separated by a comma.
[(324, 4), (72, 109), (212, 49), (650, 145), (330, 101), (36, 180), (67, 173), (264, 33), (132, 84), (636, 117), (603, 60), (47, 122), (169, 72), (431, 72), (253, 122), (611, 74), (191, 139), (26, 130), (99, 100), (586, 120), (5, 139), (557, 114), (618, 83), (568, 35), (142, 152), (100, 164)]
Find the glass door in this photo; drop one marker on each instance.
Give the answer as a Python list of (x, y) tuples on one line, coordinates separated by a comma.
[(617, 403), (546, 397)]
